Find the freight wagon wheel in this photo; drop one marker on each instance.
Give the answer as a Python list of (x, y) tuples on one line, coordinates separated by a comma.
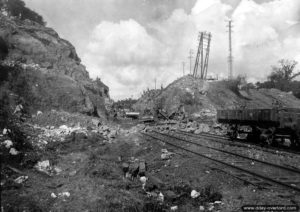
[(254, 135), (267, 137), (270, 140), (233, 132), (294, 141)]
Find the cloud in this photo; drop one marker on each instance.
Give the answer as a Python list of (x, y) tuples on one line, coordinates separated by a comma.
[(135, 55), (125, 56), (260, 35), (130, 44)]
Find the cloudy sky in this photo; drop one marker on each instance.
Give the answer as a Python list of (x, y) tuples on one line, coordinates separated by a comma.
[(129, 43)]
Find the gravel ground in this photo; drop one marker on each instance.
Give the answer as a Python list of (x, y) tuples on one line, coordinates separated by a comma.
[(89, 176)]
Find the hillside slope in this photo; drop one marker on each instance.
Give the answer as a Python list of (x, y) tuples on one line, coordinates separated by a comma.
[(202, 98), (49, 68)]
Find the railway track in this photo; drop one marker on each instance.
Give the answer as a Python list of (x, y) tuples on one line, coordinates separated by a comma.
[(240, 143), (260, 173)]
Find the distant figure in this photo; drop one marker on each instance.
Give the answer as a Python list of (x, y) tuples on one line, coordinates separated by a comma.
[(3, 49)]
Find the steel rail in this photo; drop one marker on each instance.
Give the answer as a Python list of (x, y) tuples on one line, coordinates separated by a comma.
[(226, 164), (235, 154), (256, 146)]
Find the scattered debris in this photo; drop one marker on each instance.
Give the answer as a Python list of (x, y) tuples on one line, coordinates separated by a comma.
[(174, 208), (143, 180), (57, 170), (151, 194), (160, 197), (44, 166), (14, 169), (72, 173), (165, 155), (194, 194), (13, 151), (4, 132), (8, 143), (53, 195), (210, 206), (64, 195), (18, 109), (21, 179)]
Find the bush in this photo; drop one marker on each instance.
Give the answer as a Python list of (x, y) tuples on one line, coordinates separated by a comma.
[(283, 78), (18, 9), (235, 84)]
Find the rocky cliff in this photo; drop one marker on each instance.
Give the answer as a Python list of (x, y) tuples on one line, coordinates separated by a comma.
[(45, 70)]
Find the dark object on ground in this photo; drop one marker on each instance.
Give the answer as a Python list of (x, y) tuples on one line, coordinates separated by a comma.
[(3, 49)]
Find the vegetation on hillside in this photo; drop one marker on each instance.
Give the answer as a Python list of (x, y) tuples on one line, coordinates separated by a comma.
[(17, 8), (283, 77), (124, 104)]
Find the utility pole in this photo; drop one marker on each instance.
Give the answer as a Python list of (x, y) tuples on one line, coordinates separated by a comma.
[(230, 59), (183, 63), (190, 57), (155, 83)]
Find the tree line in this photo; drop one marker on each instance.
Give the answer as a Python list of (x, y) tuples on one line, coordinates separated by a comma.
[(283, 77)]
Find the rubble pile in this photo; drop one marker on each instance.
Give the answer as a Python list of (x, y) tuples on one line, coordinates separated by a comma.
[(190, 127), (55, 126), (200, 100)]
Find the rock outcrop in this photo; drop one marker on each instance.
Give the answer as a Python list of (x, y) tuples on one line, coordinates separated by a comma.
[(50, 68)]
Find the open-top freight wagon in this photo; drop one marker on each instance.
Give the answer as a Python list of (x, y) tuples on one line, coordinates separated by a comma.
[(270, 126)]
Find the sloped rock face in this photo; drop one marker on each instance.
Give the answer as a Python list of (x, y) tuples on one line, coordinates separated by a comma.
[(51, 68), (30, 42)]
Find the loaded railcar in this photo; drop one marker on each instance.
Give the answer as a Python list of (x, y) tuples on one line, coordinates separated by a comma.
[(266, 125)]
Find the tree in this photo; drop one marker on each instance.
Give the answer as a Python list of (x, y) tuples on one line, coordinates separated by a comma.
[(18, 9), (283, 77), (284, 72)]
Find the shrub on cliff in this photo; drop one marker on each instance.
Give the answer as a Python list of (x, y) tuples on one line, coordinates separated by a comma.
[(18, 9)]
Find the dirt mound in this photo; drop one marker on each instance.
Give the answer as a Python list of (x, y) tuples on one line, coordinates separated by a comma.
[(201, 99), (223, 96), (46, 71)]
